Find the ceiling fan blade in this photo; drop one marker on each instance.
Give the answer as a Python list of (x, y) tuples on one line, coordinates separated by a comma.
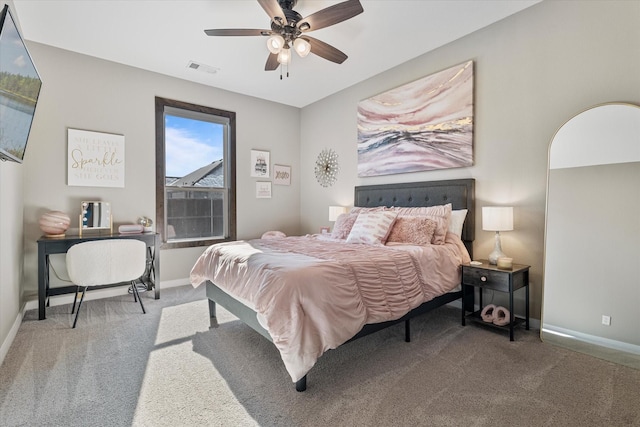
[(325, 50), (272, 62), (331, 15), (237, 32), (273, 9)]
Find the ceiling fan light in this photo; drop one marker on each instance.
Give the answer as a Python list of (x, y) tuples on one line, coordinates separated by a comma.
[(302, 47), (275, 43), (284, 57)]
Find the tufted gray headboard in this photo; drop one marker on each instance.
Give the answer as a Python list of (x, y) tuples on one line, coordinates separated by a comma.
[(459, 192)]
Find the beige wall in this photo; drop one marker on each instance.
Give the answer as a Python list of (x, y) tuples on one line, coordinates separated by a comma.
[(533, 71)]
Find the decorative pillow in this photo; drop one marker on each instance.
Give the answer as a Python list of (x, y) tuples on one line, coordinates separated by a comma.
[(344, 224), (372, 228), (457, 221), (441, 214), (414, 230)]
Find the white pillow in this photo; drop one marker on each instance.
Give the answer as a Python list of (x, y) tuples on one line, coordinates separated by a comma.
[(457, 221), (372, 228)]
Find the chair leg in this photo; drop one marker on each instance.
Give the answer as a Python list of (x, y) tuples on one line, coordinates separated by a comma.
[(135, 294), (75, 320), (75, 298)]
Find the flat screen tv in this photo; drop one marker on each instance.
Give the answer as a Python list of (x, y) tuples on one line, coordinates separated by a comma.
[(19, 90)]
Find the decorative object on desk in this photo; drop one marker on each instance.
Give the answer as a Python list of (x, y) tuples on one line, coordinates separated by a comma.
[(54, 223), (95, 215), (95, 159), (130, 229), (259, 164), (281, 175), (505, 263), (423, 125), (146, 223), (327, 167), (497, 218)]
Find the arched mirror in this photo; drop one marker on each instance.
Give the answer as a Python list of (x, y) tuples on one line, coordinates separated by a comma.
[(591, 296)]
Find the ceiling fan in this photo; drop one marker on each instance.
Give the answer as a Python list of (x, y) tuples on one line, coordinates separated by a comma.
[(289, 31)]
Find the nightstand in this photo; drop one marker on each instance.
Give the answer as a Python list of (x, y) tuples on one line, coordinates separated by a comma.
[(488, 276)]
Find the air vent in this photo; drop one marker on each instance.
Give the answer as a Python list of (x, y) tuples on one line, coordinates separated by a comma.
[(202, 67)]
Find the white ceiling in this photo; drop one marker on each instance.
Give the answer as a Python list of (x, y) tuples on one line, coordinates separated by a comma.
[(165, 35)]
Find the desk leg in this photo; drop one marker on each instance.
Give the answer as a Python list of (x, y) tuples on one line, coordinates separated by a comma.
[(43, 282), (156, 267)]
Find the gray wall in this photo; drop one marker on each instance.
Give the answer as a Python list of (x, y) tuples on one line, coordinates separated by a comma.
[(533, 71), (83, 92)]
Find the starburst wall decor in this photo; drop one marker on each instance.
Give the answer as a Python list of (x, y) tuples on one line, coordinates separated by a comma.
[(327, 167)]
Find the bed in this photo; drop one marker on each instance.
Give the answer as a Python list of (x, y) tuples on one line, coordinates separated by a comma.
[(309, 294)]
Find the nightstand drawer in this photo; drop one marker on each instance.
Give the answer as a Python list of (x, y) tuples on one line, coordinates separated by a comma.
[(486, 278)]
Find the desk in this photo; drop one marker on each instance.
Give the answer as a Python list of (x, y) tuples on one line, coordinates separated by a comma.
[(60, 245)]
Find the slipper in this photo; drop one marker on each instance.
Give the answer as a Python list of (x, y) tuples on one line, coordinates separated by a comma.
[(487, 313), (501, 316)]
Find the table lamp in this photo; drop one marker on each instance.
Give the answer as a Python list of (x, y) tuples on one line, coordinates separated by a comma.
[(497, 218), (335, 212)]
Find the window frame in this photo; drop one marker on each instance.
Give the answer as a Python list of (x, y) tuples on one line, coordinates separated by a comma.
[(229, 165)]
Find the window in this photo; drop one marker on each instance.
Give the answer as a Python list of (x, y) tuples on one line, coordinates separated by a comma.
[(195, 174)]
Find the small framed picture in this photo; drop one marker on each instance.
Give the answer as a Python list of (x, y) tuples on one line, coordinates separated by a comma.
[(263, 190), (259, 164), (281, 175), (324, 230)]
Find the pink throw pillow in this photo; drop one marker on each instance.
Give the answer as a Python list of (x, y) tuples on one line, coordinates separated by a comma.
[(413, 230), (441, 214), (343, 225)]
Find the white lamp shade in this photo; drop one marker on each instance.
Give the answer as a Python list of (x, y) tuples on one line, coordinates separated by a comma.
[(302, 47), (275, 43), (497, 218), (335, 212), (284, 57)]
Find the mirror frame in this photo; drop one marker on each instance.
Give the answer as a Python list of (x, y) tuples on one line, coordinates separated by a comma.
[(570, 342), (82, 228)]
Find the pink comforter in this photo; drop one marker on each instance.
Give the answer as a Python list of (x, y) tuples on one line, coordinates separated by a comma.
[(313, 295)]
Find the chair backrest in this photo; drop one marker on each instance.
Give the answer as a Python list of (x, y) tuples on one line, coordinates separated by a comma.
[(104, 262)]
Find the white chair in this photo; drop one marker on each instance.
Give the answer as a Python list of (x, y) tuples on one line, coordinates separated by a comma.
[(97, 263)]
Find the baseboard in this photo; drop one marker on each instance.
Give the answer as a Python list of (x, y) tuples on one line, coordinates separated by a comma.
[(6, 344), (592, 339)]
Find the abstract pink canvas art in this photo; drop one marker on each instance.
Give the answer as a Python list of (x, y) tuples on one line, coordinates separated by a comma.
[(423, 125)]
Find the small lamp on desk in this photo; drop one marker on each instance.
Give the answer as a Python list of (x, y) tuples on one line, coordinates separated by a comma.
[(497, 218)]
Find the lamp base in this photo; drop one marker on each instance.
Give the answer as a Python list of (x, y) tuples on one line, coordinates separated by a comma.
[(497, 251)]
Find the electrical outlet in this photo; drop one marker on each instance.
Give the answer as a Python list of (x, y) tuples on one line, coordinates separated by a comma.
[(606, 320)]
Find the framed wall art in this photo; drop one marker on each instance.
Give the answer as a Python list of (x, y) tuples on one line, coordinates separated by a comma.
[(424, 125), (263, 190), (281, 175), (259, 164), (95, 159)]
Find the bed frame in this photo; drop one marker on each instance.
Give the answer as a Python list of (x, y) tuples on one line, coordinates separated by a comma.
[(460, 193)]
